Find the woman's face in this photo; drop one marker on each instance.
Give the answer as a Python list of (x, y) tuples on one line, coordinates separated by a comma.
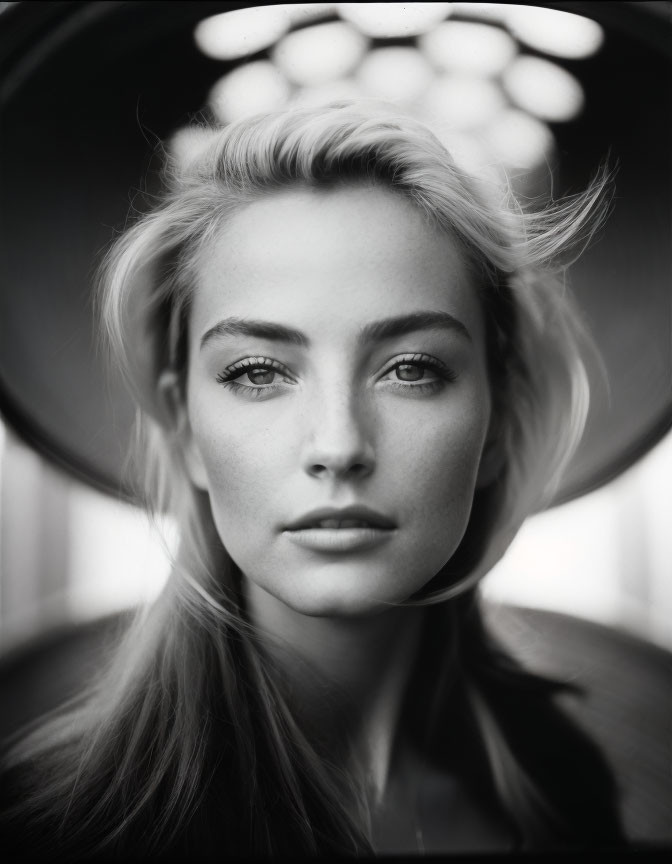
[(337, 396)]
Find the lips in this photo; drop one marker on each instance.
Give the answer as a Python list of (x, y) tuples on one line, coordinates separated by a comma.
[(342, 523), (346, 532), (343, 519)]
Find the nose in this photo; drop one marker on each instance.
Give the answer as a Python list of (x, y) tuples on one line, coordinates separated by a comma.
[(338, 441)]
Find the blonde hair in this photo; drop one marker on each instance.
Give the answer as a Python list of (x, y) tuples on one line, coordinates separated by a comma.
[(537, 342), (141, 733)]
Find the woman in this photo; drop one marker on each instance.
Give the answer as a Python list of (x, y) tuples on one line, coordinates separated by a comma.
[(356, 377)]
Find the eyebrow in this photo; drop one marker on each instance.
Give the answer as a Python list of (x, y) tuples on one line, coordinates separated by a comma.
[(377, 331), (258, 329), (388, 328)]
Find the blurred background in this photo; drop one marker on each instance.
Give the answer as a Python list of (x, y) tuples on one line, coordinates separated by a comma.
[(528, 95), (70, 552)]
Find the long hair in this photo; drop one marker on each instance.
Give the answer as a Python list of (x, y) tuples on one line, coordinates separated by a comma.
[(187, 737)]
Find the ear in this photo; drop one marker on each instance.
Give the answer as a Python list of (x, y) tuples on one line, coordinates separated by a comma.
[(174, 408)]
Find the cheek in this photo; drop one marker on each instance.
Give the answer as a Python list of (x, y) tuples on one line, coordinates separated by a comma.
[(439, 458), (449, 460), (246, 458), (447, 431)]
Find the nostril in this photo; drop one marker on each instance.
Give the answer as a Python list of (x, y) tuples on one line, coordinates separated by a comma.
[(357, 469)]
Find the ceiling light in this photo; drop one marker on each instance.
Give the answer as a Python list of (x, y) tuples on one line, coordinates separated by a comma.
[(241, 32), (303, 13), (249, 89), (325, 52), (543, 88), (561, 34), (387, 20), (470, 47), (396, 74), (188, 143), (344, 88), (495, 12), (462, 102), (518, 140), (470, 153)]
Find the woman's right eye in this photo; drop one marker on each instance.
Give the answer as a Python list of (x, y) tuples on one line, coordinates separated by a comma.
[(255, 376), (260, 375)]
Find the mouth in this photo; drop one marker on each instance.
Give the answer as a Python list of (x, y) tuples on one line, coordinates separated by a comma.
[(353, 529), (348, 518)]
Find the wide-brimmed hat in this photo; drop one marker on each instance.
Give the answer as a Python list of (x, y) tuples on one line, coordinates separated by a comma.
[(87, 91)]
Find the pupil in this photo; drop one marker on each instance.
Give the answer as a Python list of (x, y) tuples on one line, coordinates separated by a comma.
[(407, 372), (261, 376)]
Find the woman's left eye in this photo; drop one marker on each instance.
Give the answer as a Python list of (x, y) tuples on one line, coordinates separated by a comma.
[(418, 372), (410, 372)]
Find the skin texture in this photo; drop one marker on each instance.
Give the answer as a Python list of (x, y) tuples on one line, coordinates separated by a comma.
[(397, 424), (335, 426)]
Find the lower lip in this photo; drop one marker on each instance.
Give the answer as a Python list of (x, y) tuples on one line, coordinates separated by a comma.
[(339, 539)]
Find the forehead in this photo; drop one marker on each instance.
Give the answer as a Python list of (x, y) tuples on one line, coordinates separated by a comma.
[(347, 255)]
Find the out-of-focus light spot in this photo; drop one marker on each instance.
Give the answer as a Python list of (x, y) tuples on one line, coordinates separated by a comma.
[(518, 140), (344, 88), (321, 53), (544, 89), (304, 13), (395, 74), (249, 89), (495, 12), (469, 47), (470, 153), (188, 143), (241, 32), (462, 102), (115, 544), (387, 20), (561, 34)]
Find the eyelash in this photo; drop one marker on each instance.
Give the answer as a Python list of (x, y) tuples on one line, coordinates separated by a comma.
[(423, 361), (228, 376)]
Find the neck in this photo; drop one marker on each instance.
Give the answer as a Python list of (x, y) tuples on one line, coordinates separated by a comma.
[(345, 676)]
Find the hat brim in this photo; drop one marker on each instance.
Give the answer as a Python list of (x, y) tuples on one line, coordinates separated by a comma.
[(90, 88)]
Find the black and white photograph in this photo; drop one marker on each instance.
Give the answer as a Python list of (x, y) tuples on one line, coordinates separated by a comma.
[(335, 431)]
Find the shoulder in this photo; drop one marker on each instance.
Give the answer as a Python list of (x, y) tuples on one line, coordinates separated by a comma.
[(619, 721)]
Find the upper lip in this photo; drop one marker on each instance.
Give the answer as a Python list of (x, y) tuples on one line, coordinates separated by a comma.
[(359, 513)]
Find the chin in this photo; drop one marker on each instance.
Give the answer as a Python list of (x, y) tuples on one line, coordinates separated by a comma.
[(350, 593), (336, 607)]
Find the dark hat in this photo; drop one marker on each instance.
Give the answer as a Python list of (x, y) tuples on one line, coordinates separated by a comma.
[(88, 89)]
